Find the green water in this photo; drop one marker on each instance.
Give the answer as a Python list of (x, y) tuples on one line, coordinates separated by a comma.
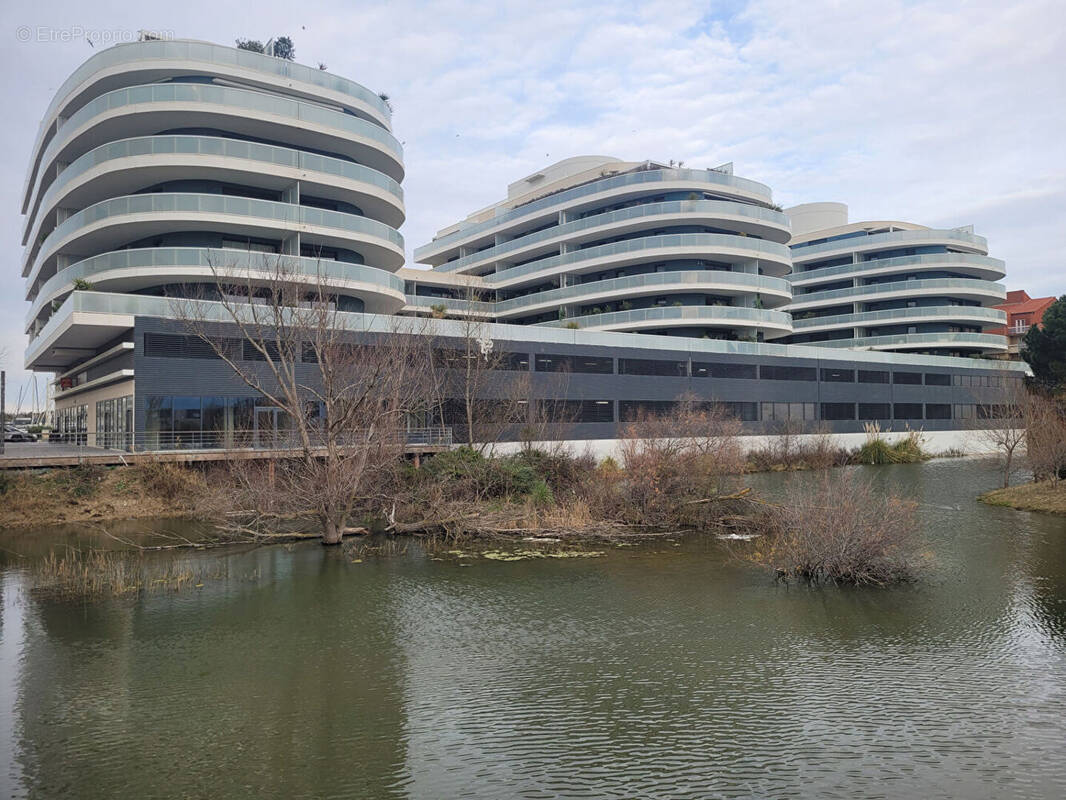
[(657, 672)]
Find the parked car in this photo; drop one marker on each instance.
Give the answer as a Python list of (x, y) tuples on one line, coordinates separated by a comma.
[(13, 434)]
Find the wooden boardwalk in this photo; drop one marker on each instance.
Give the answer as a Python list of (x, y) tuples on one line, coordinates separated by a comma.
[(40, 455)]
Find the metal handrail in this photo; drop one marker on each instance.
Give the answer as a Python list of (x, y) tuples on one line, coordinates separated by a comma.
[(221, 441)]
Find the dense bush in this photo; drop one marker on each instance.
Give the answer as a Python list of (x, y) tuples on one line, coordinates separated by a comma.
[(469, 475), (842, 532)]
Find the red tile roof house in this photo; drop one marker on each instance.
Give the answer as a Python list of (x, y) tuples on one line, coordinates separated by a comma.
[(1023, 312)]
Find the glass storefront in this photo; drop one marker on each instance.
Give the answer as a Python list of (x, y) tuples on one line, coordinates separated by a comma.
[(72, 424), (186, 421), (114, 423)]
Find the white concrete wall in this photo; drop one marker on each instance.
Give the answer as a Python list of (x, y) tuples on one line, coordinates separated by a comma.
[(816, 217), (969, 442), (90, 398)]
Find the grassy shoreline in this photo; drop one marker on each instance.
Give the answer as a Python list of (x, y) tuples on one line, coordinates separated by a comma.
[(62, 495), (1047, 497)]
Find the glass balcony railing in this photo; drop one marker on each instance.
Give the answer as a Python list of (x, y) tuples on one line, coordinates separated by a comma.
[(947, 260), (673, 315), (451, 304), (961, 285), (688, 279), (701, 245), (212, 258), (802, 252), (223, 96), (228, 148), (216, 204), (212, 54), (976, 340), (993, 316), (716, 208), (517, 335), (635, 179)]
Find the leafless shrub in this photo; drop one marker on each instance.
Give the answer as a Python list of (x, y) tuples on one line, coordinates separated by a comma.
[(675, 464), (793, 446), (842, 531)]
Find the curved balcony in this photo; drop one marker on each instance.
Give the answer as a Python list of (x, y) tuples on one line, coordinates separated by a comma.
[(602, 191), (921, 341), (777, 322), (128, 164), (158, 59), (980, 267), (956, 287), (108, 224), (423, 304), (719, 246), (142, 110), (129, 270), (986, 317), (776, 291), (855, 244), (754, 220)]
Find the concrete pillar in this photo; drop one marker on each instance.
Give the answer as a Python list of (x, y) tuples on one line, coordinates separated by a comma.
[(291, 194), (290, 246)]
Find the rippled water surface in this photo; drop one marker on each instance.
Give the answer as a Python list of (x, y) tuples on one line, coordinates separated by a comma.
[(659, 672)]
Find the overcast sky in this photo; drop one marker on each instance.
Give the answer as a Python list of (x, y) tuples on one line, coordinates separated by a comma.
[(941, 113)]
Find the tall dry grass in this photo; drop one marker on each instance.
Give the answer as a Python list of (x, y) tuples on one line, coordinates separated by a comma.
[(95, 574)]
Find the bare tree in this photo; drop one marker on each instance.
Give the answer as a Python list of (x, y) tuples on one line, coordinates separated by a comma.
[(1001, 428), (476, 379), (343, 394)]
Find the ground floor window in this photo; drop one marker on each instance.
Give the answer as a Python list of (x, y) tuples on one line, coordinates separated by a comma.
[(189, 421), (72, 424), (782, 412), (114, 423)]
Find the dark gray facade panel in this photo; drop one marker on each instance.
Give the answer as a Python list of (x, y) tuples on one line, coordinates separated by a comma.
[(204, 377)]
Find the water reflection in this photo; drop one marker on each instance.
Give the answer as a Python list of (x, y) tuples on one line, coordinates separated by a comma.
[(658, 672)]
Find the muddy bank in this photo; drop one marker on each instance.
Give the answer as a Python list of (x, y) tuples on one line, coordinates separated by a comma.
[(96, 494)]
